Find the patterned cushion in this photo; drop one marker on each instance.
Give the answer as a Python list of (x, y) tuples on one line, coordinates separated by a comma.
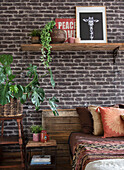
[(113, 125), (97, 122)]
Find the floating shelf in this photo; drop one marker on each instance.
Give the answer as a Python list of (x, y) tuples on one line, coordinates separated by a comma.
[(76, 47)]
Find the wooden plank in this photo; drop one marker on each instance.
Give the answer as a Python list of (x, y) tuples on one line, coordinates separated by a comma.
[(62, 127), (38, 144), (75, 47), (61, 120)]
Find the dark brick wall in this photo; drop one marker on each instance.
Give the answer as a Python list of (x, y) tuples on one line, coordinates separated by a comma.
[(81, 77)]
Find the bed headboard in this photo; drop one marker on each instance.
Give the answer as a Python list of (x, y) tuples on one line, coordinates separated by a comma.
[(59, 128), (66, 122)]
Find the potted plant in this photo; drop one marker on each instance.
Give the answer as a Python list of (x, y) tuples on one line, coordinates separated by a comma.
[(35, 36), (33, 90), (10, 88), (36, 130)]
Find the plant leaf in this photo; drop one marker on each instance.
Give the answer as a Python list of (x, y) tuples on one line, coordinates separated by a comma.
[(51, 78), (23, 98), (4, 94), (11, 77), (53, 105), (19, 93), (37, 97), (8, 70), (6, 59), (2, 75)]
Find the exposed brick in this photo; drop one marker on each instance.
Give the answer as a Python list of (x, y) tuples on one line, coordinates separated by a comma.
[(82, 77)]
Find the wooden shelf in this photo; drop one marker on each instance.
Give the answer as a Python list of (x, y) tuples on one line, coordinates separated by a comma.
[(9, 140), (76, 47), (40, 144)]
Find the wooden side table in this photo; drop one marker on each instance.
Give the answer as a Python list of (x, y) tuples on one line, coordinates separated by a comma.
[(9, 140), (47, 148)]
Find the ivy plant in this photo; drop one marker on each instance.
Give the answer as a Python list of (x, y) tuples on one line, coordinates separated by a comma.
[(46, 58), (45, 41)]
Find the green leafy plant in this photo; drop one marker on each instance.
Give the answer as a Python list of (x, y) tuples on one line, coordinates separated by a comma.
[(36, 128), (35, 33), (9, 88), (46, 58), (45, 41)]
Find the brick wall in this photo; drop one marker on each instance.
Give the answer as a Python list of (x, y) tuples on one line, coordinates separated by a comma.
[(81, 77)]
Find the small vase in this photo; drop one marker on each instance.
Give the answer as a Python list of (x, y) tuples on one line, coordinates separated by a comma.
[(71, 40), (57, 36), (36, 137)]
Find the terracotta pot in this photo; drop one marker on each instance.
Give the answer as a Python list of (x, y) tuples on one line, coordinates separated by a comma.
[(57, 36), (35, 40), (36, 137), (71, 40)]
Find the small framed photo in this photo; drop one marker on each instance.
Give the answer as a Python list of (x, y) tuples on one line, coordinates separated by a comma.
[(91, 24)]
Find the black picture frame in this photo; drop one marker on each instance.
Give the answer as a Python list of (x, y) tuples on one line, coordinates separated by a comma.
[(91, 24)]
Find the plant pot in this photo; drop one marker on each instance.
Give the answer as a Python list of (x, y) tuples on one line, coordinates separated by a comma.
[(14, 108), (36, 137), (35, 40), (57, 36)]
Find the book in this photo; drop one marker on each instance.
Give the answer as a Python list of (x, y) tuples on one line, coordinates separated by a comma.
[(41, 159), (40, 163)]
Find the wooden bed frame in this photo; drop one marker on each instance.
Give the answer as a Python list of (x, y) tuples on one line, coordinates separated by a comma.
[(59, 128)]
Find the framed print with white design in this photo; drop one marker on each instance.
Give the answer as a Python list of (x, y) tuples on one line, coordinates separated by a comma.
[(91, 24)]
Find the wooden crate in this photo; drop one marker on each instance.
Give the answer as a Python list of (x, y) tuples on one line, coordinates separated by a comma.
[(59, 128)]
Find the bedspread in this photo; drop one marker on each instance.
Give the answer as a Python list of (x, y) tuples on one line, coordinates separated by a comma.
[(86, 151)]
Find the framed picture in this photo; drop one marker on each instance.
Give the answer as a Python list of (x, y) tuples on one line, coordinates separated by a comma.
[(68, 25), (91, 24)]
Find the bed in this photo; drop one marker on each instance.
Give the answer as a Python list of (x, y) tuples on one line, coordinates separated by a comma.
[(96, 152), (85, 148)]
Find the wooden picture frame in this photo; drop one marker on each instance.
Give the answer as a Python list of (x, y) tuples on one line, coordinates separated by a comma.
[(91, 24)]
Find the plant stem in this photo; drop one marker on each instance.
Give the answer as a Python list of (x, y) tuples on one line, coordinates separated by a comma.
[(31, 81)]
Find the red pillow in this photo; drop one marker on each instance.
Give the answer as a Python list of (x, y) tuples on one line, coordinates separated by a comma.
[(113, 125)]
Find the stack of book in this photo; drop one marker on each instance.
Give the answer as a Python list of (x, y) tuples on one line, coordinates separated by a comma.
[(41, 159)]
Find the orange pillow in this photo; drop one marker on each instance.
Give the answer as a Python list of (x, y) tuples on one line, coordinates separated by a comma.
[(113, 125)]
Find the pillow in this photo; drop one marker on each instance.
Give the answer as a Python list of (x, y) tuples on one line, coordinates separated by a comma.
[(97, 122), (113, 125), (121, 106), (85, 119), (122, 117)]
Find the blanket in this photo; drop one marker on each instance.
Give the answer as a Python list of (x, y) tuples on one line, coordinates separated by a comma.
[(86, 151), (106, 164)]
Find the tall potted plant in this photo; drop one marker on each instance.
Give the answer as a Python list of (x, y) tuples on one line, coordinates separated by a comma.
[(33, 90)]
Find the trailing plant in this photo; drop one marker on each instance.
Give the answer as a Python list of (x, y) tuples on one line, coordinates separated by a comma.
[(33, 91), (45, 41), (36, 128), (46, 57), (35, 33)]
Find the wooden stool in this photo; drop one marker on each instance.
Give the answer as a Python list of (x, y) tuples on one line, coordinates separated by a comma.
[(8, 140)]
